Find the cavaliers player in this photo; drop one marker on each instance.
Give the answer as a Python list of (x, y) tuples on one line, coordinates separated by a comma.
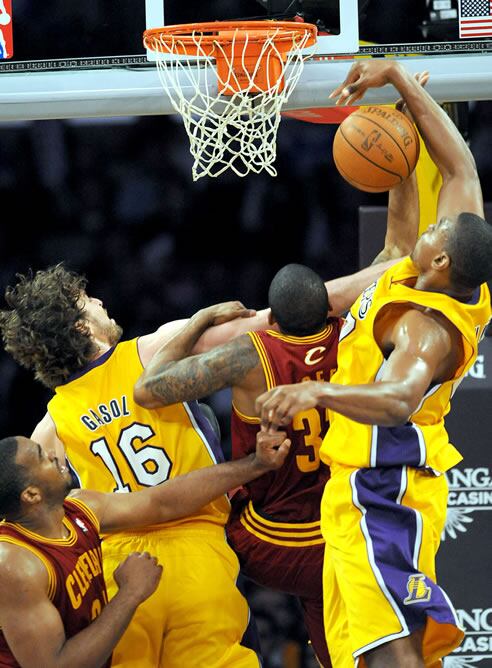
[(53, 605), (275, 527)]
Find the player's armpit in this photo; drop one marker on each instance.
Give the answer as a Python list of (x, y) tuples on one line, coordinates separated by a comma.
[(459, 193)]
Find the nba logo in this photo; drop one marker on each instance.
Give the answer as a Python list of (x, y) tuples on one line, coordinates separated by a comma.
[(81, 524), (6, 41)]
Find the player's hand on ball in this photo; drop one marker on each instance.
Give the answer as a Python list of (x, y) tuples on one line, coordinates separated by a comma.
[(138, 575), (271, 449)]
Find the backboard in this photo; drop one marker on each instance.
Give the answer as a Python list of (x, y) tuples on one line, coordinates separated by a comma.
[(88, 60), (111, 29)]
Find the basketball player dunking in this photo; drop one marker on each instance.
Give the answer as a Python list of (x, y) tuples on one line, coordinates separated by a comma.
[(406, 345)]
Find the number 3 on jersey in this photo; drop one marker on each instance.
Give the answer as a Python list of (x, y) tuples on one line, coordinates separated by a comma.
[(310, 422), (149, 464)]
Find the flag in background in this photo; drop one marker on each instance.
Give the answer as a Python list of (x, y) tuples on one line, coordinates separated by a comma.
[(475, 18), (6, 42)]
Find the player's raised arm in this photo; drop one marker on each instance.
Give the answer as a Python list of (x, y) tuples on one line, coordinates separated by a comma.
[(461, 191), (402, 228), (403, 221), (401, 235), (186, 494)]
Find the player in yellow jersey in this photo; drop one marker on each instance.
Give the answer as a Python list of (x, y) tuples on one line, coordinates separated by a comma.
[(407, 343), (197, 616)]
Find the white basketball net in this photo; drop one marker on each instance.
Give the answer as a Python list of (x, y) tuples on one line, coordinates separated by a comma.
[(236, 131)]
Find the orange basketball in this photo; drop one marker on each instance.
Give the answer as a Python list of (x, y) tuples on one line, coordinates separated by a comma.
[(376, 148)]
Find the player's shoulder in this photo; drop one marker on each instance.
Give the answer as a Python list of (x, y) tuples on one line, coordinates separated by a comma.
[(86, 502), (18, 563), (425, 326), (24, 576)]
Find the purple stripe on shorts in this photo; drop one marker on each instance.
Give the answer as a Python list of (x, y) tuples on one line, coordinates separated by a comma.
[(207, 430), (398, 446), (393, 532)]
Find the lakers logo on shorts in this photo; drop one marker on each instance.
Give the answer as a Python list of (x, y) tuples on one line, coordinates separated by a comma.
[(418, 591)]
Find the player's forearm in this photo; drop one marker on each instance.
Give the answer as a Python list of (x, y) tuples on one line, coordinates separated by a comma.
[(403, 220), (197, 376), (93, 646), (387, 403), (181, 344), (443, 140), (196, 489), (178, 347), (220, 334)]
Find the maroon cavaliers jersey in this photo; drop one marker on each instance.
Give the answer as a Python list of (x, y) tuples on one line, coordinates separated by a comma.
[(74, 564), (292, 493)]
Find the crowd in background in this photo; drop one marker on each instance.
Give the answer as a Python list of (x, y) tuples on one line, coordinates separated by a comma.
[(114, 200)]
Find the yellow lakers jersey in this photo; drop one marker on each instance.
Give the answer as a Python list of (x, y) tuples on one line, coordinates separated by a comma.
[(114, 445), (423, 441)]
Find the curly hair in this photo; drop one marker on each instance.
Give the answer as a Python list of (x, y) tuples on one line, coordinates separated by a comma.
[(44, 329)]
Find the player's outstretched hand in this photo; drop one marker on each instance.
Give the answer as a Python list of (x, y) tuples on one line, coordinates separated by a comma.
[(138, 575), (278, 406), (271, 449), (219, 313), (362, 75)]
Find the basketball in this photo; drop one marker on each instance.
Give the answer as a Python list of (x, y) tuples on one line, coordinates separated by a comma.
[(376, 148)]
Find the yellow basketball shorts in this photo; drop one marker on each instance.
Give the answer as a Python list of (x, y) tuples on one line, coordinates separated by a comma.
[(382, 529), (197, 617)]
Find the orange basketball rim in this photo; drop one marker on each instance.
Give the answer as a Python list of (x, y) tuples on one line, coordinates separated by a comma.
[(249, 55)]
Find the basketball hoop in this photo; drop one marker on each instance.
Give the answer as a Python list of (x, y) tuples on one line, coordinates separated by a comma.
[(230, 93)]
